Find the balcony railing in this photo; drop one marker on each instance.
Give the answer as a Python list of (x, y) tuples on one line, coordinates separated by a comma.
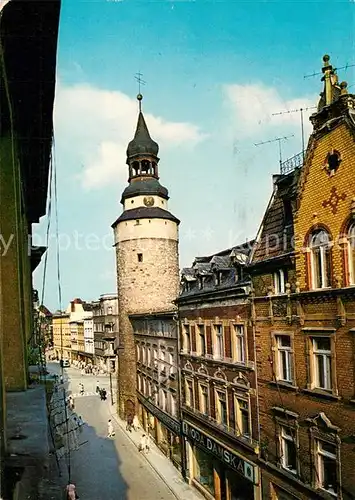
[(292, 163)]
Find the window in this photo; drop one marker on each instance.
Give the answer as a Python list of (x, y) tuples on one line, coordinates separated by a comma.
[(284, 361), (186, 341), (143, 354), (218, 344), (171, 363), (149, 356), (140, 257), (327, 466), (288, 449), (322, 363), (239, 352), (203, 470), (221, 407), (279, 282), (173, 406), (242, 416), (138, 353), (163, 397), (109, 310), (351, 254), (189, 393), (217, 278), (204, 399), (320, 259), (201, 337), (156, 395), (155, 358)]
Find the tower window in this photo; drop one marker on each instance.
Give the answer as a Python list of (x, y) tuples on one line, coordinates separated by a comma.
[(137, 222), (132, 201), (140, 257)]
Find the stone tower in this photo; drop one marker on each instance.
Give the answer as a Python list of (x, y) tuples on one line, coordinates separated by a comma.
[(147, 255)]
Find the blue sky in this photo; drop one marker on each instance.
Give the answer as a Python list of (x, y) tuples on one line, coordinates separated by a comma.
[(215, 73)]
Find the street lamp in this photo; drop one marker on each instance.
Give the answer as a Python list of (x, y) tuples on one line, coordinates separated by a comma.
[(111, 390)]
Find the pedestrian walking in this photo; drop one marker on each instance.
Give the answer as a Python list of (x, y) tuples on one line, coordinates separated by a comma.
[(61, 379), (111, 431), (144, 444), (103, 394), (97, 387), (135, 423), (81, 388), (129, 423), (71, 492)]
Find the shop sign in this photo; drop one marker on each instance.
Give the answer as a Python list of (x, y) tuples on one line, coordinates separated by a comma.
[(161, 416), (237, 463)]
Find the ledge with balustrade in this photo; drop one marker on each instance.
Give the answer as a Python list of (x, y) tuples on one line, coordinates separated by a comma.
[(215, 359)]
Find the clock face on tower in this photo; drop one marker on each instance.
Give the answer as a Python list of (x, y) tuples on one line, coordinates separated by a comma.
[(148, 201)]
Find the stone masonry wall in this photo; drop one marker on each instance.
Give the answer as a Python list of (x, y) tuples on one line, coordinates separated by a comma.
[(143, 286)]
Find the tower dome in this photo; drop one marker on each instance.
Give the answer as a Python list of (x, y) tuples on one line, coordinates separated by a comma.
[(142, 143)]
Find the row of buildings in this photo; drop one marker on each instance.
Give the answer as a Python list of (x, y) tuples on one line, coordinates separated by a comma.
[(242, 366), (87, 332), (28, 50)]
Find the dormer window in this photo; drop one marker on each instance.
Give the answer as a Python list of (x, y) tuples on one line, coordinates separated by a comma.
[(217, 277), (200, 282)]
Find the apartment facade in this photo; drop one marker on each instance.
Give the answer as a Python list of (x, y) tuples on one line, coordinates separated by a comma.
[(105, 329), (218, 382), (303, 313), (61, 335), (156, 339)]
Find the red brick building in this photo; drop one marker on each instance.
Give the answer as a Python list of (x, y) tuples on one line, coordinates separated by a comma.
[(217, 360), (303, 313)]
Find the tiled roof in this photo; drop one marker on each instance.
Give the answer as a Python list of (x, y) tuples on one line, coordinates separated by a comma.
[(276, 233)]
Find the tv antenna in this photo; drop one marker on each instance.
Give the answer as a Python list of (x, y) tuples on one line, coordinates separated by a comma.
[(278, 139), (334, 69), (300, 110)]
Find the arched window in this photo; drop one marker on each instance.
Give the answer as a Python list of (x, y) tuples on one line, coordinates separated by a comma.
[(135, 168), (351, 253), (320, 259), (145, 166)]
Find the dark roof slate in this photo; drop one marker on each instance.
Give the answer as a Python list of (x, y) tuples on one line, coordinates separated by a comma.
[(145, 187), (142, 143), (145, 213), (276, 236)]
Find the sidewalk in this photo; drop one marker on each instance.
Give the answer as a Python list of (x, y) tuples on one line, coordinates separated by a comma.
[(160, 463)]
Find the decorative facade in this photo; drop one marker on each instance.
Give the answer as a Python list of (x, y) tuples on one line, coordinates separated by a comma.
[(218, 380), (146, 242), (303, 313), (105, 324), (156, 339)]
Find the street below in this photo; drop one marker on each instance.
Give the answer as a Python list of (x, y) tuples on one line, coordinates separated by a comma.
[(105, 468)]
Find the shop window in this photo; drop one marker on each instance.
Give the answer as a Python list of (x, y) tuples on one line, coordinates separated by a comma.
[(279, 282), (140, 257), (284, 358), (326, 463), (189, 393), (203, 472), (288, 449), (204, 399), (322, 363), (242, 416), (238, 343), (320, 259), (218, 347), (201, 340), (351, 253), (221, 407)]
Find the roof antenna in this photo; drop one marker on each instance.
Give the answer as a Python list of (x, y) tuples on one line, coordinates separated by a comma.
[(300, 110), (138, 77), (279, 139)]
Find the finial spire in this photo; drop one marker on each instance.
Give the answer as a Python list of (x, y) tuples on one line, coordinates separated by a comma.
[(138, 77), (330, 79)]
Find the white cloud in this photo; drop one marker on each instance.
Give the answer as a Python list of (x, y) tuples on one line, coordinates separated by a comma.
[(253, 107), (100, 123)]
